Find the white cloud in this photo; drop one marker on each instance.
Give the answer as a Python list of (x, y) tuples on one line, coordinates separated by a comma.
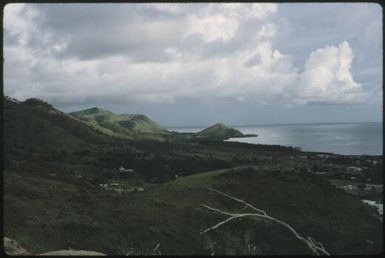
[(222, 21), (261, 11), (211, 28), (268, 31), (171, 8), (159, 59), (327, 78), (18, 22)]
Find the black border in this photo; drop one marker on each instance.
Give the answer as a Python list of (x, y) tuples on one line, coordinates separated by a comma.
[(3, 4)]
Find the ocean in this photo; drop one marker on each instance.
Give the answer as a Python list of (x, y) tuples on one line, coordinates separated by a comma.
[(338, 138)]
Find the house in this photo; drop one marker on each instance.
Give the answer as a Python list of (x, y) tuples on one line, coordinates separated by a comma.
[(354, 169), (104, 186), (348, 187), (122, 169), (323, 156), (123, 172), (320, 173), (352, 189), (373, 188)]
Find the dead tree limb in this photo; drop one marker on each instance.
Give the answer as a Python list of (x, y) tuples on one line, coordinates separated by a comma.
[(314, 246), (238, 200)]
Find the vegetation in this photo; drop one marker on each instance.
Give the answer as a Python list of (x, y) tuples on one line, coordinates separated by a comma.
[(219, 130), (55, 166), (120, 124)]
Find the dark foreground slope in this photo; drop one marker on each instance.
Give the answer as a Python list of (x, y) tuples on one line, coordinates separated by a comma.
[(46, 214), (36, 126)]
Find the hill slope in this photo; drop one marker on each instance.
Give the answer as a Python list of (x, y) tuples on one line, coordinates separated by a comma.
[(125, 124), (37, 126), (48, 196), (172, 215), (219, 131)]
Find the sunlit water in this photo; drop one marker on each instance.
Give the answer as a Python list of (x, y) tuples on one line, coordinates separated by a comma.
[(349, 139)]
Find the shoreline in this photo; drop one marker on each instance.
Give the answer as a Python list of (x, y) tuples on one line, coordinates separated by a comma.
[(300, 149), (338, 138)]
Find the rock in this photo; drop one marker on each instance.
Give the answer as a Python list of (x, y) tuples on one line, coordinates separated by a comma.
[(11, 247), (73, 253)]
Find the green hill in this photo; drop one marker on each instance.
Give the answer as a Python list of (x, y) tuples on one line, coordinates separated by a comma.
[(219, 131), (123, 125)]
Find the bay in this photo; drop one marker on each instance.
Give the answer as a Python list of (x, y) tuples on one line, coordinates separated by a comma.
[(338, 138)]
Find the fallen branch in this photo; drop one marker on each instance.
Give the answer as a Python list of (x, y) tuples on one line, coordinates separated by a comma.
[(156, 248), (314, 246), (238, 200)]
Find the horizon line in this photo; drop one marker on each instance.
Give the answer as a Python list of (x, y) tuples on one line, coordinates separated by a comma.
[(268, 124)]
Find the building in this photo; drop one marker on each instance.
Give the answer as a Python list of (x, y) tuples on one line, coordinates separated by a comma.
[(122, 169), (374, 189), (354, 169)]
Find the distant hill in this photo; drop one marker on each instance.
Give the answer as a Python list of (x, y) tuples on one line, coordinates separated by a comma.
[(220, 131), (34, 122), (125, 124)]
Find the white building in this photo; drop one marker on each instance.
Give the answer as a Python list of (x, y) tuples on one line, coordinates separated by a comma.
[(122, 169)]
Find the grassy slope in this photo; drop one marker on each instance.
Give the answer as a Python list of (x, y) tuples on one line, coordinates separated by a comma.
[(45, 214), (123, 125), (311, 205), (219, 130)]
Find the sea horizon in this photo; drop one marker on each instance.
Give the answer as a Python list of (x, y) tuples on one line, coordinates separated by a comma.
[(269, 124), (345, 138)]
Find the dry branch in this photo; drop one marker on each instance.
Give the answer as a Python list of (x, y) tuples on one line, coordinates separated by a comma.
[(238, 200), (314, 246)]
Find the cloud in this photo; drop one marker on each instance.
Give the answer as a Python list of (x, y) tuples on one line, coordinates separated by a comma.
[(268, 31), (169, 8), (214, 27), (94, 31), (142, 31), (222, 21), (327, 78), (17, 23), (160, 53)]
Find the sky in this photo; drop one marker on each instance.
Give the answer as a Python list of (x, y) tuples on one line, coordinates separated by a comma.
[(195, 64)]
